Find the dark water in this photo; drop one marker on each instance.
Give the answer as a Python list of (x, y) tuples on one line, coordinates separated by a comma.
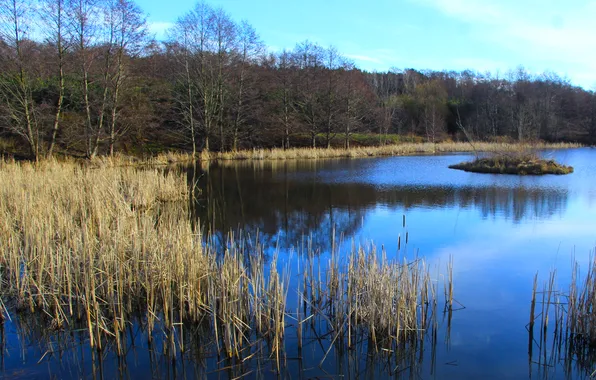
[(500, 230)]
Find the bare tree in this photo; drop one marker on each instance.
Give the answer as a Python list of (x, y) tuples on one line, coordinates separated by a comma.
[(521, 107), (308, 58), (15, 79), (359, 101), (591, 125), (434, 102), (330, 98), (130, 30), (250, 47), (54, 14), (192, 37), (284, 94), (389, 107), (224, 37), (84, 15), (186, 99), (205, 38)]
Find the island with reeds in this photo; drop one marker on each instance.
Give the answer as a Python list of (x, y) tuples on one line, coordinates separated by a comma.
[(520, 164)]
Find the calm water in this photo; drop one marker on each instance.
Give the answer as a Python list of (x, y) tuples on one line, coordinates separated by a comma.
[(500, 230)]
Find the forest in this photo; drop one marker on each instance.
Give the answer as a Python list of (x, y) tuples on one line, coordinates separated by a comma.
[(86, 78)]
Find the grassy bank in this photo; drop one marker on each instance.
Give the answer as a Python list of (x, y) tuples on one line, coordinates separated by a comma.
[(103, 247), (401, 149), (321, 153)]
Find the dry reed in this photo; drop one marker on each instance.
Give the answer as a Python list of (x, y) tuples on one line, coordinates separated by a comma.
[(100, 246), (372, 151), (567, 323)]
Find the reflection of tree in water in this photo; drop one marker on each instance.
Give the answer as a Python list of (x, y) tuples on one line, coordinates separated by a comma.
[(288, 200), (280, 211), (520, 203), (512, 203)]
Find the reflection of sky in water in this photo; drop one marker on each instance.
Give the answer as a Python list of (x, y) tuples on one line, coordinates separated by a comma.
[(494, 265), (500, 230), (534, 224), (426, 171), (494, 259)]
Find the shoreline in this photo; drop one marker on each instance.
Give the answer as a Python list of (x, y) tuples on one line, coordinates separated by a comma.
[(278, 154)]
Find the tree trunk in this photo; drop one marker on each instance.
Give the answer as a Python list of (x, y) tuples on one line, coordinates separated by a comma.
[(238, 118), (103, 107), (88, 128), (191, 119), (286, 141), (117, 86), (33, 143), (60, 100)]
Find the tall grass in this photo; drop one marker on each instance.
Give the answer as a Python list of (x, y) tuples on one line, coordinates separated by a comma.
[(102, 247), (372, 151), (99, 244), (567, 321)]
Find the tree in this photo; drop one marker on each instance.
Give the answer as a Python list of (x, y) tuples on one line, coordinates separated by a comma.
[(89, 83), (283, 94), (590, 122), (16, 79), (358, 99), (250, 48), (54, 14), (129, 27), (308, 58), (388, 110), (330, 97), (224, 35), (520, 112), (189, 40), (433, 98), (85, 25), (204, 40)]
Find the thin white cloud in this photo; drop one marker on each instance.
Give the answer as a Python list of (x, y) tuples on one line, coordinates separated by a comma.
[(548, 33), (468, 10), (364, 58), (480, 64), (158, 29)]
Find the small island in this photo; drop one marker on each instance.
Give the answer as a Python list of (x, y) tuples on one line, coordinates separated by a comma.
[(506, 164)]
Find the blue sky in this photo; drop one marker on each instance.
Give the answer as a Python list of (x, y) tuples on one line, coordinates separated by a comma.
[(482, 35)]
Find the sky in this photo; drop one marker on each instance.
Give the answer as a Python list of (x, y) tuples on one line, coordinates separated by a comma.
[(481, 35)]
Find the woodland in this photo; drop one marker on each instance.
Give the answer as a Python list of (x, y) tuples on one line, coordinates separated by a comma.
[(85, 78)]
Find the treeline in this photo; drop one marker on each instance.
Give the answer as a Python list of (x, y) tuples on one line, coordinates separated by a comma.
[(82, 77)]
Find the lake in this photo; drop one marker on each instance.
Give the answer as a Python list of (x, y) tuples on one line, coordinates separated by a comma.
[(499, 231)]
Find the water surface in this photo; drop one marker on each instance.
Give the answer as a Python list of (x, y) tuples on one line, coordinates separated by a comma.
[(500, 231)]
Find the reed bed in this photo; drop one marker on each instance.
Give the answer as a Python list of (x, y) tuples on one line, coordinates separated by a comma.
[(373, 151), (391, 299), (567, 323), (101, 244), (104, 248), (362, 296)]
